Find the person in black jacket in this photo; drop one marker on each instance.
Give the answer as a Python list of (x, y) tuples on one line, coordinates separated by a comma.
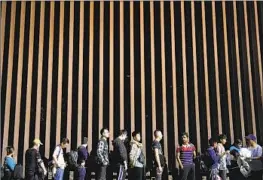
[(120, 152), (34, 164)]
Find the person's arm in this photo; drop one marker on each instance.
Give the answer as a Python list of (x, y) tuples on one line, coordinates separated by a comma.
[(178, 158), (221, 152), (123, 152), (41, 163), (10, 163), (258, 155), (213, 155), (86, 154), (56, 154), (100, 153), (157, 158), (194, 152), (133, 154)]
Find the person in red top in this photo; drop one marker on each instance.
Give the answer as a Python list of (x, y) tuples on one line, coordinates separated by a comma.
[(185, 155)]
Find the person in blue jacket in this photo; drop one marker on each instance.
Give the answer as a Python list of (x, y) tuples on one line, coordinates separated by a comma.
[(214, 158), (9, 163), (212, 153)]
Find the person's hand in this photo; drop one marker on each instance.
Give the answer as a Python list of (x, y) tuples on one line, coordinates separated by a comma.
[(227, 152), (181, 166), (45, 172), (160, 169), (125, 166)]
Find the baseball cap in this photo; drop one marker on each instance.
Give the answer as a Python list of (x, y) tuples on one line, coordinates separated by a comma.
[(251, 137), (37, 141)]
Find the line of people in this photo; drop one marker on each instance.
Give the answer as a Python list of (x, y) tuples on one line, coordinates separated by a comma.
[(131, 159)]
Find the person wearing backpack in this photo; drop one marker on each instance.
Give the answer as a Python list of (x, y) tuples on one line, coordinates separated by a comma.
[(212, 159), (58, 160), (9, 163), (136, 156), (82, 157), (34, 166)]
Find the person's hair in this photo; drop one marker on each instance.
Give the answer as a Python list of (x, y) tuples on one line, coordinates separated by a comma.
[(85, 140), (102, 130), (212, 141), (65, 141), (134, 133), (238, 141), (123, 132), (185, 134), (156, 132), (222, 136), (9, 150)]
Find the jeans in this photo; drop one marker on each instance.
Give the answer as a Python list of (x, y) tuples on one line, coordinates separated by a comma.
[(80, 173), (188, 170), (59, 174), (102, 172)]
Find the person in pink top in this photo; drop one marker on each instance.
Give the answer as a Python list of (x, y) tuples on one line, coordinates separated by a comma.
[(222, 139)]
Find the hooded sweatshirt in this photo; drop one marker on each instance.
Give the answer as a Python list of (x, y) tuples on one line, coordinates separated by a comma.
[(136, 150)]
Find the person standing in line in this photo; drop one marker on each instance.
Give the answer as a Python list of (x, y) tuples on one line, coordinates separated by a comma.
[(136, 156), (102, 154), (120, 153), (82, 159), (223, 156), (34, 163), (256, 154), (58, 159), (213, 159), (9, 163), (158, 157), (185, 155)]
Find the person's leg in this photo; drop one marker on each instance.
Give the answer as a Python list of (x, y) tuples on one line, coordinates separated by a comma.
[(131, 174), (124, 173), (193, 172), (223, 174), (140, 174), (59, 174), (102, 173), (185, 171), (81, 173), (121, 173), (30, 177), (136, 173), (98, 173)]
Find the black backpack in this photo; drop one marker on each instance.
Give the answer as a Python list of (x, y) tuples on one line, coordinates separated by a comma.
[(72, 160), (18, 172)]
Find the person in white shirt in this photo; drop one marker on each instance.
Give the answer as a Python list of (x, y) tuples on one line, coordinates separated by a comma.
[(223, 155), (256, 154), (58, 159)]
